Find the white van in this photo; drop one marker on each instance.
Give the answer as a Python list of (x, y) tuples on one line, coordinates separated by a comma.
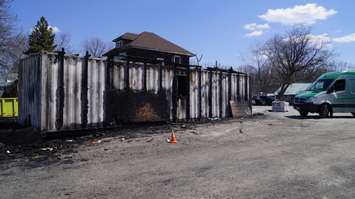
[(338, 97)]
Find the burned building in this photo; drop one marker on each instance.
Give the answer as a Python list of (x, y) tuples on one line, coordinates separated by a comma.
[(136, 82)]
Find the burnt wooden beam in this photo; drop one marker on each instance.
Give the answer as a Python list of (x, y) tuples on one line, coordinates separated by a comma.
[(160, 77), (60, 90), (250, 94), (1, 105), (126, 76), (174, 94), (238, 87), (246, 88), (84, 91), (230, 84), (210, 94), (229, 91), (108, 86), (144, 79), (199, 96), (111, 72), (220, 94), (188, 93)]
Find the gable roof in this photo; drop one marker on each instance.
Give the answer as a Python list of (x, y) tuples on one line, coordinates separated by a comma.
[(127, 36), (153, 42)]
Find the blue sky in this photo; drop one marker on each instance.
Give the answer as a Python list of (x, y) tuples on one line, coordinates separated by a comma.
[(225, 31)]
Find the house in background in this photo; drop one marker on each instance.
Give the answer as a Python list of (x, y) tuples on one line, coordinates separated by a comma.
[(148, 46), (293, 90)]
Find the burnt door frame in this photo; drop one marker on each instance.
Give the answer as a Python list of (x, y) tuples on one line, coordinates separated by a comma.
[(181, 89)]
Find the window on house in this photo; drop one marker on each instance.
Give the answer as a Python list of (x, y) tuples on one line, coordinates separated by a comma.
[(177, 59), (118, 44), (160, 60), (339, 85)]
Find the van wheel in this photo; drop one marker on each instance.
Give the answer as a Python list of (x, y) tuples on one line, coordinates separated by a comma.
[(325, 111), (303, 113), (353, 114)]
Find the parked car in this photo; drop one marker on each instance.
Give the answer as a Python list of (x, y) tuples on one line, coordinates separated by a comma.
[(331, 93), (293, 90), (263, 100)]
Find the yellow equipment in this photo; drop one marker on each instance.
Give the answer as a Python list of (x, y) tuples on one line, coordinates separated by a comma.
[(9, 107)]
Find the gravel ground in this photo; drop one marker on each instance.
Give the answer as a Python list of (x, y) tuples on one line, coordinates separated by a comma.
[(278, 155)]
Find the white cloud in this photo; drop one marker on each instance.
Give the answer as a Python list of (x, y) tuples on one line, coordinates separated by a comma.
[(345, 39), (255, 33), (256, 30), (307, 14), (254, 26), (55, 29), (321, 40)]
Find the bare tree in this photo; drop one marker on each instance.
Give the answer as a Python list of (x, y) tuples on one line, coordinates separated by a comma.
[(63, 40), (198, 59), (6, 33), (294, 53), (96, 47), (342, 66), (12, 45), (263, 76)]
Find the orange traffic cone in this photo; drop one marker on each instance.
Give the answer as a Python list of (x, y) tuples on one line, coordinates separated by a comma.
[(172, 138)]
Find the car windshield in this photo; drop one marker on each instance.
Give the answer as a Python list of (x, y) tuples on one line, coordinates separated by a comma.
[(320, 85)]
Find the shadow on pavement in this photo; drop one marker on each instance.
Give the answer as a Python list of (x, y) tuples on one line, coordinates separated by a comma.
[(298, 117)]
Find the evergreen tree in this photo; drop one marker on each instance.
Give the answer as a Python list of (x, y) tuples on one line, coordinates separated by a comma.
[(41, 38)]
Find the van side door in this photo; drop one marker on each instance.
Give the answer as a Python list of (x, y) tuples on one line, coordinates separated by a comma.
[(351, 91), (340, 98)]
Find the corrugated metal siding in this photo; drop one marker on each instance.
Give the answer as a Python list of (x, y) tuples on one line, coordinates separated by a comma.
[(194, 94), (72, 92), (194, 109), (39, 87), (96, 87), (167, 86), (30, 94), (40, 73), (49, 88), (204, 94), (136, 72)]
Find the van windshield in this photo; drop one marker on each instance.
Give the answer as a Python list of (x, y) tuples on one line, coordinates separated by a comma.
[(320, 85)]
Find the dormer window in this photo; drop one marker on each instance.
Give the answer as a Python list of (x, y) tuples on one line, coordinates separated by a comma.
[(119, 44), (176, 59)]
